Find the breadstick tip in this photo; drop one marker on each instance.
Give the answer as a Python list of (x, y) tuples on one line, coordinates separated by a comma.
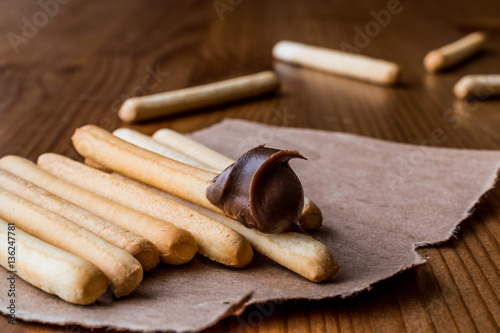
[(244, 255), (311, 217), (324, 271), (479, 35), (433, 61), (128, 110), (148, 258), (463, 86), (284, 50), (86, 139), (184, 249), (393, 74)]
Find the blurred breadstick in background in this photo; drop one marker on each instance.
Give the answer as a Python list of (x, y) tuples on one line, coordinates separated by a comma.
[(480, 86), (51, 269), (311, 217), (455, 52), (139, 247), (173, 102), (355, 66)]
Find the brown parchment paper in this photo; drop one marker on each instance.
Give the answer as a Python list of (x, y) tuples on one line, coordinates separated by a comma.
[(380, 200)]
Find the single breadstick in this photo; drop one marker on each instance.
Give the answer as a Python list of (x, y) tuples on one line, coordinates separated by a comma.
[(176, 246), (191, 148), (297, 252), (49, 268), (123, 270), (180, 179), (145, 141), (173, 102), (311, 217), (139, 247), (483, 86), (355, 66), (214, 239), (455, 52)]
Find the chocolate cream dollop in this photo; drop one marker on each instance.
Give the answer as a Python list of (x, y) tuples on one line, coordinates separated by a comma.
[(260, 190)]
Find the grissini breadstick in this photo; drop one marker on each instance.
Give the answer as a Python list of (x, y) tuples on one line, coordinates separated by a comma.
[(481, 86), (355, 66), (173, 102), (123, 270), (174, 177), (214, 239), (145, 141), (139, 247), (311, 217), (170, 138), (297, 252), (51, 269), (455, 52), (176, 246)]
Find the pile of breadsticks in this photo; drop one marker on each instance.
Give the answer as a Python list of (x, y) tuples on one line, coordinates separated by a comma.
[(81, 230)]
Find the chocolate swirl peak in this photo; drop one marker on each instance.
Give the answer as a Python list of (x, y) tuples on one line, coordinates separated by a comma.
[(260, 190)]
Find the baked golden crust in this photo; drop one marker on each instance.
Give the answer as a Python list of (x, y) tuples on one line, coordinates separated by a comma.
[(53, 270)]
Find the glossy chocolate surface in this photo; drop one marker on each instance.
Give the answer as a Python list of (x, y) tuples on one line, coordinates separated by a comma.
[(260, 190)]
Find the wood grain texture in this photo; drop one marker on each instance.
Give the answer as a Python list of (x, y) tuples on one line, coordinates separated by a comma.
[(90, 56)]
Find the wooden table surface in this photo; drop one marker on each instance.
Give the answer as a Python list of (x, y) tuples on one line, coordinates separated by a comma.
[(71, 63)]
